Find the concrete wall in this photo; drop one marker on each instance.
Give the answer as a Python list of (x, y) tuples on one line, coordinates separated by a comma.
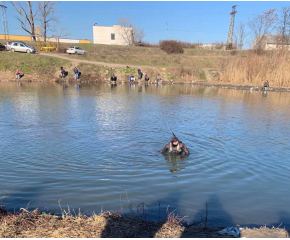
[(28, 39), (273, 46), (15, 38), (102, 35)]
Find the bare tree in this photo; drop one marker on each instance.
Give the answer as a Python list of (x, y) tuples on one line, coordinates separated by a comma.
[(130, 33), (138, 34), (47, 11), (284, 26), (261, 26), (240, 35), (26, 17), (60, 33)]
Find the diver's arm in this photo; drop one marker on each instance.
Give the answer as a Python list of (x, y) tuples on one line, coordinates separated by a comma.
[(184, 148), (166, 148)]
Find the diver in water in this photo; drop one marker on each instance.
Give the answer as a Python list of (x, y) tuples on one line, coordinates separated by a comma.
[(175, 147)]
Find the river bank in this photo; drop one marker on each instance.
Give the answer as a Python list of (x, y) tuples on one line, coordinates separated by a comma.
[(203, 67), (33, 224), (6, 77)]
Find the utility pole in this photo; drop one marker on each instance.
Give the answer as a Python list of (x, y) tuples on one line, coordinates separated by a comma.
[(231, 29), (4, 20)]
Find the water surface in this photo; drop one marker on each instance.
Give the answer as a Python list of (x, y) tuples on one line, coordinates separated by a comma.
[(97, 148)]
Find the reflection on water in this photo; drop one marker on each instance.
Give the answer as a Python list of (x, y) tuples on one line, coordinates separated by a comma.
[(91, 145), (174, 161)]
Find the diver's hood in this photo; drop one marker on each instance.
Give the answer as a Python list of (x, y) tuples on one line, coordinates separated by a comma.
[(174, 139)]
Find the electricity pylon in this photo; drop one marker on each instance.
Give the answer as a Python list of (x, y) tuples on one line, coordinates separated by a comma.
[(4, 20), (231, 29)]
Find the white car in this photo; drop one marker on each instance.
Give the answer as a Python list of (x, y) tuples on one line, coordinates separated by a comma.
[(75, 50)]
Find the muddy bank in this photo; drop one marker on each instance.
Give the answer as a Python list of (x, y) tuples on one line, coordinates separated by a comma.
[(33, 224)]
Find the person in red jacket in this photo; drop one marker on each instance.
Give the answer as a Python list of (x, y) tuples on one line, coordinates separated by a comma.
[(17, 74)]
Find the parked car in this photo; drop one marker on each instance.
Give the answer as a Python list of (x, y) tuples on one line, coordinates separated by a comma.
[(75, 50), (8, 45), (2, 47), (21, 47)]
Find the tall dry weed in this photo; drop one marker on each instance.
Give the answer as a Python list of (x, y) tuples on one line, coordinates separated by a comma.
[(255, 69)]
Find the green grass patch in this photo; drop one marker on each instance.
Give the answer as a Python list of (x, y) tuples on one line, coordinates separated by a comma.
[(202, 76), (31, 63)]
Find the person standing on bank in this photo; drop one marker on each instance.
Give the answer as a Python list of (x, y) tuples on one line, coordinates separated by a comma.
[(175, 147), (76, 72), (140, 74)]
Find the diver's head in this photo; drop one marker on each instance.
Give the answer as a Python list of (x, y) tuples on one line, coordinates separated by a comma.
[(174, 140)]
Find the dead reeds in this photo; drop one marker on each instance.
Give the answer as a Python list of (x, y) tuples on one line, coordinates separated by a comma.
[(255, 69)]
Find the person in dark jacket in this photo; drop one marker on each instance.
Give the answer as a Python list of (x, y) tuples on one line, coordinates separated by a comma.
[(76, 72), (175, 147), (266, 84), (113, 78), (140, 74), (63, 73), (146, 78)]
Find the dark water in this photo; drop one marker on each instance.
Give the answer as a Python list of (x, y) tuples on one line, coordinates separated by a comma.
[(97, 148)]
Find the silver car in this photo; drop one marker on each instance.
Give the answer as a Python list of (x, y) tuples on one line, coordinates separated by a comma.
[(21, 47), (75, 50), (8, 45)]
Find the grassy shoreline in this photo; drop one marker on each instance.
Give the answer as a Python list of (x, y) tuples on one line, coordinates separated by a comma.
[(31, 224), (236, 67)]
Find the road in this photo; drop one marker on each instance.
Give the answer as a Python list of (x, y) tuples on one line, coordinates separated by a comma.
[(77, 61)]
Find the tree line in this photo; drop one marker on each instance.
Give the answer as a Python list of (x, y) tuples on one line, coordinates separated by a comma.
[(260, 26), (30, 12)]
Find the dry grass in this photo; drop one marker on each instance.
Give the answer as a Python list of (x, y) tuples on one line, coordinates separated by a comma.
[(144, 56), (255, 69), (34, 224), (233, 67)]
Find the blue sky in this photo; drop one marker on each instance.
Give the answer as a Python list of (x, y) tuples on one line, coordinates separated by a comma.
[(203, 21)]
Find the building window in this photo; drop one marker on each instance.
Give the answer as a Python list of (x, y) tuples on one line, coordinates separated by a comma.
[(112, 36)]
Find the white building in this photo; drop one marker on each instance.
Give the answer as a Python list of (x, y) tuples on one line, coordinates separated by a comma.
[(116, 35), (272, 42)]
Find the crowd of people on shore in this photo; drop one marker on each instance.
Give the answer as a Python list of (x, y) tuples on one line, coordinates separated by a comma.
[(113, 78), (146, 77)]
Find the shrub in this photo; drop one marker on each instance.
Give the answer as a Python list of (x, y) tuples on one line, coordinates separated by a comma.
[(171, 46), (218, 45), (146, 44), (233, 52)]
